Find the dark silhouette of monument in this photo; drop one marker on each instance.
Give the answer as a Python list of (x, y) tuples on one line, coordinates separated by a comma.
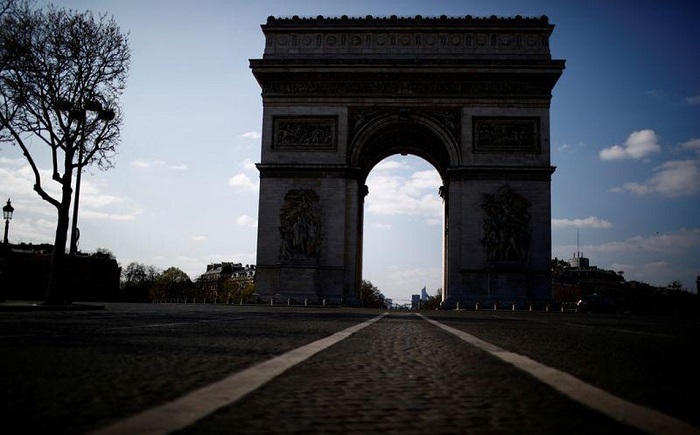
[(469, 95)]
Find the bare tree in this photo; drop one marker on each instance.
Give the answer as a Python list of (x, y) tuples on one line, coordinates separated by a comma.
[(61, 76), (9, 9)]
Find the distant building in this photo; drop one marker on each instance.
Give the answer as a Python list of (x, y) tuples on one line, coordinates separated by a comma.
[(218, 275), (578, 261), (423, 295), (415, 302), (576, 278)]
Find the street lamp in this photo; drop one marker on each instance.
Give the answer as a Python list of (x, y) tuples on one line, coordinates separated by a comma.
[(7, 215), (78, 113)]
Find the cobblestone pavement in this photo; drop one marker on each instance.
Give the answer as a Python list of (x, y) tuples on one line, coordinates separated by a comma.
[(644, 359), (403, 375), (74, 372), (67, 372)]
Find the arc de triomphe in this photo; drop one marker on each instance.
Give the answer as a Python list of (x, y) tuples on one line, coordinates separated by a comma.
[(469, 95)]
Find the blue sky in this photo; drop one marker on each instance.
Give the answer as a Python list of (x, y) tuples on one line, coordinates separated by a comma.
[(625, 134)]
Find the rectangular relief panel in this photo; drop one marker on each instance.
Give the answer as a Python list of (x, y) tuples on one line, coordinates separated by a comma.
[(506, 135), (304, 133)]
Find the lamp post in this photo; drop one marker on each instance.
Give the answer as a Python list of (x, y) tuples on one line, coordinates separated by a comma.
[(79, 113), (7, 215)]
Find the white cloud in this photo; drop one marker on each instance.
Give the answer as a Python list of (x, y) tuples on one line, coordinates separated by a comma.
[(397, 280), (434, 221), (247, 221), (199, 238), (100, 215), (97, 205), (388, 165), (252, 135), (670, 243), (692, 144), (17, 181), (639, 144), (31, 231), (4, 161), (92, 196), (589, 222), (657, 94), (143, 164), (243, 182), (394, 194), (673, 179), (692, 100), (563, 147), (383, 226), (248, 165), (146, 163)]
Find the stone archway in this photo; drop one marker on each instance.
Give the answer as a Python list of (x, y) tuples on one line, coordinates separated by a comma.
[(469, 95)]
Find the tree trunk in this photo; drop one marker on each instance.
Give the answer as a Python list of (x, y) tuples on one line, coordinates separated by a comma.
[(59, 291)]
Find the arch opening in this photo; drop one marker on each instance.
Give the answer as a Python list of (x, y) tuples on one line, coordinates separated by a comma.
[(403, 228), (395, 134)]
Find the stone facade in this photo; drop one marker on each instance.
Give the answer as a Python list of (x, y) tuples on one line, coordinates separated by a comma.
[(469, 95), (222, 278)]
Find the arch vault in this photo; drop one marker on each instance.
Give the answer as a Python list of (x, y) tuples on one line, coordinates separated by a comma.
[(469, 95)]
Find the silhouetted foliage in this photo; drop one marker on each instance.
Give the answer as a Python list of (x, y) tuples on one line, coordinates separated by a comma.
[(104, 253), (137, 281), (172, 283), (433, 302), (236, 291), (370, 296), (61, 76)]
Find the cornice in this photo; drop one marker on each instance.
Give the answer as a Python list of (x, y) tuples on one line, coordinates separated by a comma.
[(407, 37), (415, 21)]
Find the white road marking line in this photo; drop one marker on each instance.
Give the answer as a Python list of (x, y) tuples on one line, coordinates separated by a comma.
[(186, 410), (646, 419)]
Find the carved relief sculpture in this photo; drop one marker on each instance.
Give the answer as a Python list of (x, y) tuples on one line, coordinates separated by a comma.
[(304, 133), (506, 135), (506, 226), (300, 225)]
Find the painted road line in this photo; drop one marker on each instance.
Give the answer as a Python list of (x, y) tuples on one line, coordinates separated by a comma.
[(646, 419), (186, 410)]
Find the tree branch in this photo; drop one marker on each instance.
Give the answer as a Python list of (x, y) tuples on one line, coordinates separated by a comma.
[(37, 176)]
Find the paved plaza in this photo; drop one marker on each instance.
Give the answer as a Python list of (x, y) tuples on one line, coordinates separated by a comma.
[(261, 369)]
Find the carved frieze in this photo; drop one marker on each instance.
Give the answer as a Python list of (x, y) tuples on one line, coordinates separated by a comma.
[(304, 133), (506, 135), (506, 226), (409, 36), (300, 225), (460, 43), (446, 88)]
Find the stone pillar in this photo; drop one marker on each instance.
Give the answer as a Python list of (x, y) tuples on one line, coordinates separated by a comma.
[(306, 242)]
